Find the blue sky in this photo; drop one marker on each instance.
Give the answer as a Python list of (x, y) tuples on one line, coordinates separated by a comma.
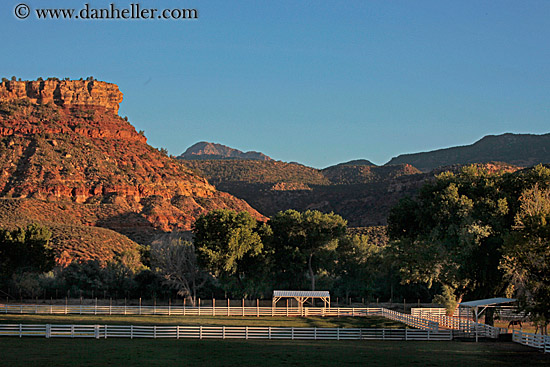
[(317, 82)]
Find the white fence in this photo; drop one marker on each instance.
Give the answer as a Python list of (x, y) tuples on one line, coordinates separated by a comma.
[(413, 321), (464, 327), (541, 342), (210, 311), (410, 320), (218, 332), (187, 311)]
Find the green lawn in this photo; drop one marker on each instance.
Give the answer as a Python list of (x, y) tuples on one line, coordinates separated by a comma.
[(210, 353), (349, 322)]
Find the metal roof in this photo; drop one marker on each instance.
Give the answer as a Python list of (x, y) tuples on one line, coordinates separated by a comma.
[(316, 294), (487, 302)]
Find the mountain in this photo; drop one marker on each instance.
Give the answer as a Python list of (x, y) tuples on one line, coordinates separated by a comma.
[(205, 150), (70, 162), (359, 191), (517, 149)]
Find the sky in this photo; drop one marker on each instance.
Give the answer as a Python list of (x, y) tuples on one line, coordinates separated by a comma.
[(316, 82)]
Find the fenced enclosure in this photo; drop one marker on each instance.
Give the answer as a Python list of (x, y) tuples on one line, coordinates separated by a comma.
[(219, 332), (541, 342), (413, 321), (428, 326)]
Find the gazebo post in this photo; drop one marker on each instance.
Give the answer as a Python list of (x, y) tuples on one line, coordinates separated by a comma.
[(476, 309)]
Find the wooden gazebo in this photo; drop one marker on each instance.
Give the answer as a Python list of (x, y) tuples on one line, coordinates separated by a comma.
[(302, 296)]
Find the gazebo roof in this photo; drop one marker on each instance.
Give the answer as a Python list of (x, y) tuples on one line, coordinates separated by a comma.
[(315, 294), (487, 302)]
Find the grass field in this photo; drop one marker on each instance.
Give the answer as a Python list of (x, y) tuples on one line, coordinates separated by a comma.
[(210, 353), (329, 322)]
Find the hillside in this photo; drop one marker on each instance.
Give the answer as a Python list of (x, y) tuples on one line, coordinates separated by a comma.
[(257, 172), (205, 150), (517, 149), (68, 159), (349, 174), (361, 192)]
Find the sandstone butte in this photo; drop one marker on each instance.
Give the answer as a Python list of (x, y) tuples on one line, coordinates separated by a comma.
[(70, 162)]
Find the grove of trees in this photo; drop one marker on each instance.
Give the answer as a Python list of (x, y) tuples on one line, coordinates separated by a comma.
[(478, 234)]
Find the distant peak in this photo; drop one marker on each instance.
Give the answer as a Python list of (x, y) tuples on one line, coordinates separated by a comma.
[(206, 150), (357, 162)]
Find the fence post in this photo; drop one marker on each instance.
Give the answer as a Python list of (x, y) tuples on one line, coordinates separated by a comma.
[(243, 306), (177, 332), (223, 332), (257, 307), (228, 306), (287, 308), (292, 333), (48, 331), (406, 336), (246, 332), (131, 331), (269, 332), (315, 333), (20, 330), (337, 333), (140, 305), (200, 332), (96, 331), (154, 332)]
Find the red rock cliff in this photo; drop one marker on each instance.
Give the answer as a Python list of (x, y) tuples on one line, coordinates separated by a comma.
[(64, 93)]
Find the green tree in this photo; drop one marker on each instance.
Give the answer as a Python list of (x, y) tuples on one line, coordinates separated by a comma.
[(357, 266), (452, 234), (225, 241), (26, 249), (526, 257), (299, 237)]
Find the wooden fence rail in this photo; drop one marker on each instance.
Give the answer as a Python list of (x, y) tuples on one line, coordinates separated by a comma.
[(464, 327), (541, 342), (218, 332)]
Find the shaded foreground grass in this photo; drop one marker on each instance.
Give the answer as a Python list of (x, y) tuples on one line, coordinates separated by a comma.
[(329, 322), (148, 352)]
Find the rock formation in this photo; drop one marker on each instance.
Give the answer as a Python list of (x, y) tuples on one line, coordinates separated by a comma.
[(63, 145)]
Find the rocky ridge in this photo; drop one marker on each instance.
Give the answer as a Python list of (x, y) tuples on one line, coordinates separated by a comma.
[(63, 145)]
